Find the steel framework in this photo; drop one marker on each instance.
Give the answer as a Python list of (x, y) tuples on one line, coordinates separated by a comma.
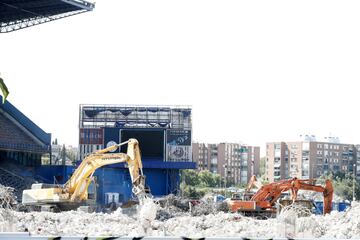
[(135, 116), (19, 14)]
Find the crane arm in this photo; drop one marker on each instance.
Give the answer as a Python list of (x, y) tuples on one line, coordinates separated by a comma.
[(253, 182), (78, 184), (271, 192), (327, 191)]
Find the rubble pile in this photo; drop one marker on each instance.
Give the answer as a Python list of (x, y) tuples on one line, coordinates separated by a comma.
[(118, 224), (7, 197), (7, 203), (344, 225), (173, 220), (317, 196), (172, 206)]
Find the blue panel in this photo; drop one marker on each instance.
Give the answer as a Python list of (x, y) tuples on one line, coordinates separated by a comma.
[(156, 180), (169, 165), (343, 206), (319, 206), (111, 134), (117, 180), (153, 163), (48, 174)]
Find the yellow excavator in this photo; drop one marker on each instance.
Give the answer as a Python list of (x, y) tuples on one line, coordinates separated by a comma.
[(75, 191)]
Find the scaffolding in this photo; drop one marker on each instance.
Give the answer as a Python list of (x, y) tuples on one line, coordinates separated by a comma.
[(135, 116)]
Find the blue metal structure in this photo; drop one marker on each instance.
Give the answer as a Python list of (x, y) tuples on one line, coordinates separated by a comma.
[(21, 140), (164, 135), (116, 179), (341, 207), (157, 141)]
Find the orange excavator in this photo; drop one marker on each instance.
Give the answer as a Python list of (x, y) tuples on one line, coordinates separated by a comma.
[(263, 201)]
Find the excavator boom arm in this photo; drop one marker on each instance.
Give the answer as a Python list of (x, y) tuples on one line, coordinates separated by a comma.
[(76, 188), (78, 184), (268, 194)]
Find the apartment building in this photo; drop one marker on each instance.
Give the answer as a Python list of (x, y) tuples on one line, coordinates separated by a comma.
[(309, 159), (234, 162)]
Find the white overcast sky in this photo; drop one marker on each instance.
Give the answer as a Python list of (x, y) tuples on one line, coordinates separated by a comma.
[(253, 71)]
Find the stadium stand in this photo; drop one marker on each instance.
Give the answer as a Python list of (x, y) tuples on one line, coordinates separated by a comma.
[(13, 135), (22, 145), (17, 182)]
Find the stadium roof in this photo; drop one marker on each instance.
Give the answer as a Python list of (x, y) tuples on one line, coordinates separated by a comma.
[(18, 14), (25, 122)]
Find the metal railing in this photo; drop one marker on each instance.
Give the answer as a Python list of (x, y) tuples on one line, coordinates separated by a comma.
[(24, 147)]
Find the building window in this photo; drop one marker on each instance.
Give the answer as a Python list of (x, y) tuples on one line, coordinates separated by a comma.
[(319, 146)]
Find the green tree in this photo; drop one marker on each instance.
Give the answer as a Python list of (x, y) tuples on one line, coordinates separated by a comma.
[(192, 192), (190, 177), (262, 165), (63, 154), (207, 179), (219, 181), (71, 155), (202, 178), (343, 184)]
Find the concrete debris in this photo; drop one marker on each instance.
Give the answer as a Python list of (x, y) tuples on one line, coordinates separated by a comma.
[(172, 206), (7, 203), (168, 217), (147, 212), (287, 219), (7, 197), (335, 225), (294, 210)]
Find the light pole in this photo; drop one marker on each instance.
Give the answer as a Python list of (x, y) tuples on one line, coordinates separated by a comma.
[(354, 181), (225, 179)]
